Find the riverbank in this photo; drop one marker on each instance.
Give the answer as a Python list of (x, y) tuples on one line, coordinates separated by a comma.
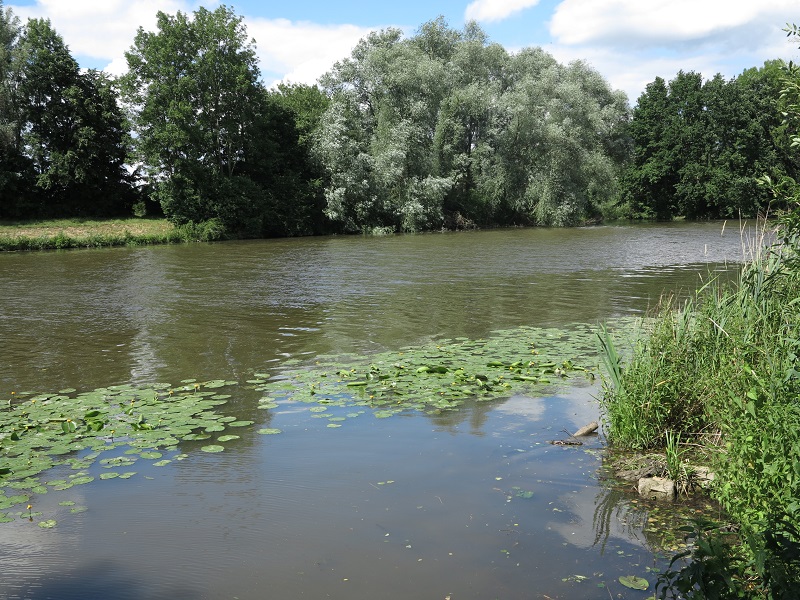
[(719, 376), (59, 234)]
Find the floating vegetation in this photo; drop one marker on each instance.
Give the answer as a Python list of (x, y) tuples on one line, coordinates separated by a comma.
[(634, 582), (41, 431), (125, 423), (213, 448), (442, 375)]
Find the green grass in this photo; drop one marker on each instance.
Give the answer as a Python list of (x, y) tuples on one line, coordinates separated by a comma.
[(721, 372), (95, 233)]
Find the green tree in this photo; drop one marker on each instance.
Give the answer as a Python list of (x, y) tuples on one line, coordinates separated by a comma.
[(200, 116), (700, 147), (70, 134), (447, 129), (302, 106), (10, 158)]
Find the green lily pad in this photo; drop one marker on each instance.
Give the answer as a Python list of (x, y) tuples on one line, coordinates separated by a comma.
[(634, 582), (228, 438), (49, 524), (269, 431), (82, 480), (240, 423), (213, 448)]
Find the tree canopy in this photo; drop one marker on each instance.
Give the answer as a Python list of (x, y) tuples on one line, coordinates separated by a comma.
[(215, 144), (64, 139), (440, 129), (445, 129), (701, 146)]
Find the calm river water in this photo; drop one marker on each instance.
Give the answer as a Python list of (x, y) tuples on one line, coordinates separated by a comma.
[(472, 504)]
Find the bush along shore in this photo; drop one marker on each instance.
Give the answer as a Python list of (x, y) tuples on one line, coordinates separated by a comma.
[(718, 378), (96, 233)]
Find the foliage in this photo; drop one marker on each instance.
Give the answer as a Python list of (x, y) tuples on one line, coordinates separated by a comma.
[(87, 233), (717, 570), (41, 431), (65, 139), (722, 370), (442, 376), (444, 129), (214, 143), (700, 147)]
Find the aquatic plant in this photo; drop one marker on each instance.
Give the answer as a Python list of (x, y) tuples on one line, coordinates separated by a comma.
[(76, 430), (42, 431), (721, 371), (443, 374)]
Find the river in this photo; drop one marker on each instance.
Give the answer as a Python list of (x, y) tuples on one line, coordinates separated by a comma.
[(462, 505)]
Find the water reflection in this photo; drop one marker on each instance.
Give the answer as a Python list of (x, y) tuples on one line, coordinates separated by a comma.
[(98, 317), (467, 504)]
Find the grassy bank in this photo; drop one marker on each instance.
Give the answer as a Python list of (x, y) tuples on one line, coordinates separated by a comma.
[(95, 233), (721, 373)]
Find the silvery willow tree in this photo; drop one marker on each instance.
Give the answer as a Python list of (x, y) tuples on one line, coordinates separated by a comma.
[(444, 129), (213, 144)]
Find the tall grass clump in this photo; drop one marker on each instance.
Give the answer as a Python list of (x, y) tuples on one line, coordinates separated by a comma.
[(721, 371)]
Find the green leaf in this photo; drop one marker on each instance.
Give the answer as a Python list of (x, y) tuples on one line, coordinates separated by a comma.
[(634, 582), (212, 448), (269, 431)]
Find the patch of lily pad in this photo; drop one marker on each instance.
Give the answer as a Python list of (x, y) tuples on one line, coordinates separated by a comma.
[(39, 432), (116, 425), (441, 376)]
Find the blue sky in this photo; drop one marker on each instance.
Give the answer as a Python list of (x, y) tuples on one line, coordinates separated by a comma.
[(629, 42)]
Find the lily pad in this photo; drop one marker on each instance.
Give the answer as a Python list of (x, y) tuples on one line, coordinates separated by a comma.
[(213, 448), (228, 438), (634, 582), (49, 524), (269, 431)]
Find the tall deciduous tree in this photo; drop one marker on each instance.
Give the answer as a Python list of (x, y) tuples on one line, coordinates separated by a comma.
[(9, 151), (193, 86), (70, 135), (700, 147)]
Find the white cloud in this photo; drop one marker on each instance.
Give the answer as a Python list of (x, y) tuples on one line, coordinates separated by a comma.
[(112, 24), (662, 21), (302, 51), (632, 42), (299, 51), (495, 10)]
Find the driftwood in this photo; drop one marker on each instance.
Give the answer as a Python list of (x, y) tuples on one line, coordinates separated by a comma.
[(565, 442), (586, 429)]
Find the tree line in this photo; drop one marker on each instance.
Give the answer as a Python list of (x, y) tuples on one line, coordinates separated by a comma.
[(442, 129)]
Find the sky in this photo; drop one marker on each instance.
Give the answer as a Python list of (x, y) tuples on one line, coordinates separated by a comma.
[(629, 42)]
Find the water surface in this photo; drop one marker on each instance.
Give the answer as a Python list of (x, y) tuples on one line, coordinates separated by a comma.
[(471, 504)]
